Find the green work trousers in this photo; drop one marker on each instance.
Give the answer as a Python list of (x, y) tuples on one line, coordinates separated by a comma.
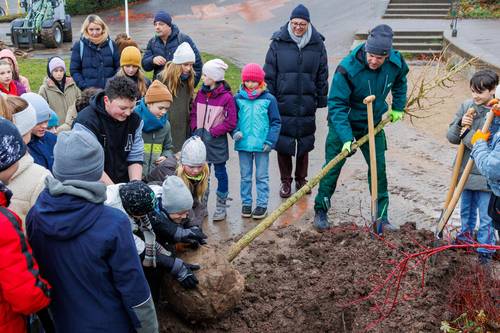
[(328, 184)]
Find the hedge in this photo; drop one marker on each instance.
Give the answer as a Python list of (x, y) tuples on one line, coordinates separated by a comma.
[(82, 7)]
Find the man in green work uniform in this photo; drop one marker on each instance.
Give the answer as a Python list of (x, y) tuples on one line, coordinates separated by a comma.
[(372, 68)]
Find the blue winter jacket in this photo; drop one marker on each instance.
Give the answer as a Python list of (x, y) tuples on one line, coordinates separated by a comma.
[(258, 120), (487, 159), (156, 47), (87, 253), (42, 149), (93, 66)]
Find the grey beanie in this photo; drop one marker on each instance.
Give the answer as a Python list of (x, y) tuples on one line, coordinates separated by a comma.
[(78, 156), (193, 152), (176, 197), (379, 40)]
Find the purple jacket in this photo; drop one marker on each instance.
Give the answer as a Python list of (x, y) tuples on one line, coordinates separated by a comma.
[(213, 115)]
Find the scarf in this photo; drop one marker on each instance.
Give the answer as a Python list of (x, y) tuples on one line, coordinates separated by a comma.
[(151, 123), (184, 77), (59, 84), (254, 94), (304, 39), (153, 248), (99, 40), (12, 90)]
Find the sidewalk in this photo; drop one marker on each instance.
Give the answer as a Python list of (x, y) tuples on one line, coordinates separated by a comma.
[(480, 38)]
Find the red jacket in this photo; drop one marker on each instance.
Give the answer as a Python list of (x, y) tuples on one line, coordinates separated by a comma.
[(22, 290)]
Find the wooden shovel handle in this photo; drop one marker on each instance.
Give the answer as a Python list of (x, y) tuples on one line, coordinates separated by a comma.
[(373, 157)]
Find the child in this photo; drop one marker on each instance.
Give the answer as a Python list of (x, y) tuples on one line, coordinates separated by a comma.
[(8, 85), (487, 160), (23, 290), (193, 169), (256, 134), (178, 75), (53, 123), (213, 116), (130, 66), (81, 102), (156, 130), (476, 194), (7, 54), (59, 90), (42, 143)]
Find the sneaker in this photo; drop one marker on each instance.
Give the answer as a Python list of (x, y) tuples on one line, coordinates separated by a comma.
[(285, 190), (299, 184), (485, 258), (464, 238), (321, 220), (246, 211), (259, 213)]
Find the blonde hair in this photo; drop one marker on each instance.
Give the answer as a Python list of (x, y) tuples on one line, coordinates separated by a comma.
[(15, 104), (198, 189), (5, 111), (141, 79), (171, 77), (96, 20)]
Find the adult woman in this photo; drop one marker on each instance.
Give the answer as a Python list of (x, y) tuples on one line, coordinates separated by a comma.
[(95, 57)]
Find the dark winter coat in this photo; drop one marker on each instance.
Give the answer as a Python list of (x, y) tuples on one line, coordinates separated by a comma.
[(119, 139), (95, 65), (156, 47), (87, 252), (42, 149), (299, 81), (213, 116), (178, 115)]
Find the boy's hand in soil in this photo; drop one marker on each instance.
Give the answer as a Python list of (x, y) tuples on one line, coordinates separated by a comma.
[(467, 120), (480, 136), (183, 272), (396, 115), (190, 235)]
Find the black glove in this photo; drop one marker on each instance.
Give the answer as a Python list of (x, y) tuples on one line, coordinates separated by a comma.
[(193, 235), (183, 272)]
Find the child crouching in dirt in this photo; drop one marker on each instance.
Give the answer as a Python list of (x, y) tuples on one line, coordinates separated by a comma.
[(256, 133), (476, 195), (193, 169), (157, 231)]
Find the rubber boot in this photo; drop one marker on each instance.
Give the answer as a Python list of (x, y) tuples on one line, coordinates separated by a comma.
[(321, 222), (220, 207)]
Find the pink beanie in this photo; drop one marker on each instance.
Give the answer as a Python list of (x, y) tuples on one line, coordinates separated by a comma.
[(56, 62), (252, 72)]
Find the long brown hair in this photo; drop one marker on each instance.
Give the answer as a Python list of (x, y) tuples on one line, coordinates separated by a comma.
[(141, 79), (171, 77), (5, 110), (199, 188)]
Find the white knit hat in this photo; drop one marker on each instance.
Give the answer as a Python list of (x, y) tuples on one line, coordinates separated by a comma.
[(193, 152), (183, 54), (25, 120), (215, 69)]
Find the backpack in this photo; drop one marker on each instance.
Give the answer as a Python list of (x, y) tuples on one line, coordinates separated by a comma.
[(110, 43)]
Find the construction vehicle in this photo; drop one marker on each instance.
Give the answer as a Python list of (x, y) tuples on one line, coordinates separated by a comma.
[(46, 22)]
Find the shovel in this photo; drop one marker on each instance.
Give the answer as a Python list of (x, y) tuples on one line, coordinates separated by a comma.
[(377, 226), (461, 184), (456, 167)]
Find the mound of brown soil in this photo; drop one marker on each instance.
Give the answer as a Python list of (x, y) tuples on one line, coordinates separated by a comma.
[(303, 281)]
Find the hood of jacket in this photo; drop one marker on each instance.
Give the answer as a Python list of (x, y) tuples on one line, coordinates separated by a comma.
[(283, 35), (151, 122), (65, 210)]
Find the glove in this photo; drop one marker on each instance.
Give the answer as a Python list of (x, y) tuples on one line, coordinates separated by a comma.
[(194, 236), (347, 146), (237, 136), (183, 272), (396, 115), (267, 148), (480, 136)]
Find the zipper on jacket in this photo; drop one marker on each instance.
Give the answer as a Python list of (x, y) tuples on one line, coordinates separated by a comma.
[(204, 119)]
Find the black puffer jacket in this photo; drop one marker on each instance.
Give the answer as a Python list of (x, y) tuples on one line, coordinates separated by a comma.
[(299, 81)]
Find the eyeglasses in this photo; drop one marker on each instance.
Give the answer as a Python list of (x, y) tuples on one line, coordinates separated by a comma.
[(299, 25)]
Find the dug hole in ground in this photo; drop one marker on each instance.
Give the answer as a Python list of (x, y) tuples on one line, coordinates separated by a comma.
[(298, 280)]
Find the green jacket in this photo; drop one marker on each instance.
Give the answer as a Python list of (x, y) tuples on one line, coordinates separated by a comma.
[(353, 81), (156, 144)]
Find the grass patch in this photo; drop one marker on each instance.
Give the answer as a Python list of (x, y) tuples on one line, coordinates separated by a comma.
[(10, 18), (36, 70), (479, 9)]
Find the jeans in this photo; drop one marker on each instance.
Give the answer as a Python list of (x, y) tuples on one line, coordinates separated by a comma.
[(261, 177), (222, 179), (472, 203)]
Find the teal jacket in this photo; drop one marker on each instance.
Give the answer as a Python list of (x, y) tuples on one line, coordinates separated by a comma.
[(353, 81), (258, 120)]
